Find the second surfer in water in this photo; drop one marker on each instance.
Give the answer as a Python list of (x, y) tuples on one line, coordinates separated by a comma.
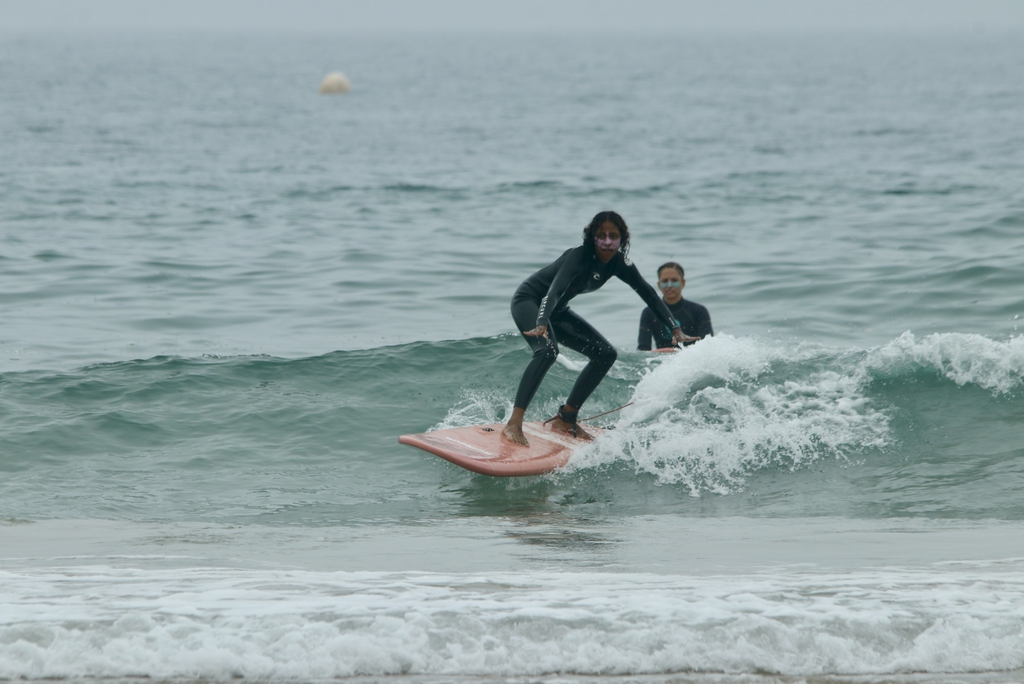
[(541, 312)]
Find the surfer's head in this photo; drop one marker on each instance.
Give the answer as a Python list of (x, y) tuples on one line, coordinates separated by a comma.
[(671, 281), (668, 270), (600, 233)]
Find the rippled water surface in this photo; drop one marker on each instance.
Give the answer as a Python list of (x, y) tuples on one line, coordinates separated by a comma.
[(224, 297)]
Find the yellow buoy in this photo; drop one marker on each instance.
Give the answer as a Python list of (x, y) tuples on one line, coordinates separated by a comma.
[(335, 83)]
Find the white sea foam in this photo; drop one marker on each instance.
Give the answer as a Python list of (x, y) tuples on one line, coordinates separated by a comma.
[(476, 408), (966, 359), (219, 624), (709, 416)]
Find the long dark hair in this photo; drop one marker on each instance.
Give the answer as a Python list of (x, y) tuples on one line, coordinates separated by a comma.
[(607, 216)]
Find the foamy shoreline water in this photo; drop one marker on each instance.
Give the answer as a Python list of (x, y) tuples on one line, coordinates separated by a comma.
[(873, 601), (286, 625)]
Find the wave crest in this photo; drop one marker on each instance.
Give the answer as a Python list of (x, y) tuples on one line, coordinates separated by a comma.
[(964, 358), (727, 407)]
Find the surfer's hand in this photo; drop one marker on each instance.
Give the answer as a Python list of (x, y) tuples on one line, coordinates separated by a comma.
[(678, 337), (539, 331)]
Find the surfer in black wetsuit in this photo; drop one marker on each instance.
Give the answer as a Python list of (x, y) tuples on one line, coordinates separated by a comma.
[(693, 318), (541, 312)]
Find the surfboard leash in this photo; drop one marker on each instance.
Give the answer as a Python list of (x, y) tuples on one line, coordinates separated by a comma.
[(583, 420)]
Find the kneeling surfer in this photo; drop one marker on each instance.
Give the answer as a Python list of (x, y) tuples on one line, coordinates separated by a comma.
[(541, 312)]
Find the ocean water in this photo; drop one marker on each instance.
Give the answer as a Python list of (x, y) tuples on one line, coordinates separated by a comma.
[(225, 296)]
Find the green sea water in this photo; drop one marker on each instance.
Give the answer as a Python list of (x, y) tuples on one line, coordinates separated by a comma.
[(224, 297)]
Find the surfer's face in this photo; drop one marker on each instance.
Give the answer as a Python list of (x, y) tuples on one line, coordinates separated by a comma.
[(607, 240), (671, 283)]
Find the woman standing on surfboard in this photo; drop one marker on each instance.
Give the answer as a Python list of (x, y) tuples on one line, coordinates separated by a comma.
[(541, 312)]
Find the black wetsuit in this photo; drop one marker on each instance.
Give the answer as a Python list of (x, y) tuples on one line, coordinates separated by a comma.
[(690, 316), (543, 299)]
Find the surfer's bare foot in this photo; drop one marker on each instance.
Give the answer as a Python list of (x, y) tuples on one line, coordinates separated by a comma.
[(513, 430), (560, 425)]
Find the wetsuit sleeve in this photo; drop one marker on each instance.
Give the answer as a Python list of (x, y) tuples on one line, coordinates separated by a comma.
[(573, 262), (630, 275), (704, 324), (643, 342)]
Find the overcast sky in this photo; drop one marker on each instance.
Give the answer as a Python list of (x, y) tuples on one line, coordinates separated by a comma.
[(338, 16)]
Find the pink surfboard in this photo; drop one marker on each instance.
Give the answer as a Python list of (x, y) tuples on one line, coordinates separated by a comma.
[(482, 449), (665, 350)]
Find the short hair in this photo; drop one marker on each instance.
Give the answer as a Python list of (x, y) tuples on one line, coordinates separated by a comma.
[(605, 217), (672, 264)]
